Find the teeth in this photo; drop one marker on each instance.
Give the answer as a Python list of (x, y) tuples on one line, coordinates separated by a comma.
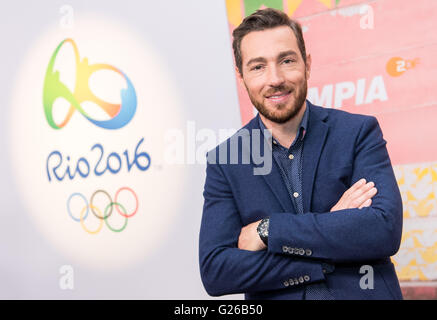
[(276, 97)]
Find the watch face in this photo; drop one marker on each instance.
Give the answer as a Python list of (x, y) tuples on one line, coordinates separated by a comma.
[(263, 229)]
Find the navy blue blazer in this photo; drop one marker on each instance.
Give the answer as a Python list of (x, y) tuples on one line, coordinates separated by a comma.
[(340, 148)]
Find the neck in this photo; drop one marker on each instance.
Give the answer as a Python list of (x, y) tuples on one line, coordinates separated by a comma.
[(285, 133)]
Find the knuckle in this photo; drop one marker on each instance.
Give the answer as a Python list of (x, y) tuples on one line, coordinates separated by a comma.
[(355, 203)]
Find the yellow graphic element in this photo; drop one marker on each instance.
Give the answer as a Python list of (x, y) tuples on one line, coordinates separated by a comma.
[(410, 196), (416, 259), (430, 254), (396, 66), (420, 173), (423, 208), (409, 272), (418, 186), (292, 6), (235, 8), (235, 15), (401, 181), (326, 3), (433, 175)]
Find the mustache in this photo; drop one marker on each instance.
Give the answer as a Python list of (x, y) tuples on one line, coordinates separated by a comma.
[(279, 89)]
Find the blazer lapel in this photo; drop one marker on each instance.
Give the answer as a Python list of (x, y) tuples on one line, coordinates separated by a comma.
[(273, 179), (313, 144)]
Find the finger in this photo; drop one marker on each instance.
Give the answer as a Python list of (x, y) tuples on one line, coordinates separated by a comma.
[(349, 195), (366, 203), (362, 190), (357, 197), (357, 185), (364, 197)]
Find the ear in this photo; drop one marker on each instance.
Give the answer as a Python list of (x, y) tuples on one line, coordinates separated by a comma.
[(239, 76), (308, 66)]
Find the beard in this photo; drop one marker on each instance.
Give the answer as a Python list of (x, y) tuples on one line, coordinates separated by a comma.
[(285, 112)]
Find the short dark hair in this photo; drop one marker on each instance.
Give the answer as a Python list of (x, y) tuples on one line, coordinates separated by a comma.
[(261, 20)]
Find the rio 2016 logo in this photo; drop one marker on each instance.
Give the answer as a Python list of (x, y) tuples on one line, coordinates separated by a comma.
[(102, 216), (120, 115), (115, 175)]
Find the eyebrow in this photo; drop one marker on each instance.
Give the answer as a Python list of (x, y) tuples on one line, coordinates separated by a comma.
[(286, 54), (280, 57)]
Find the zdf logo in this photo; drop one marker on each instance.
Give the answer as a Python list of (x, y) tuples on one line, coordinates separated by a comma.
[(120, 114), (396, 66)]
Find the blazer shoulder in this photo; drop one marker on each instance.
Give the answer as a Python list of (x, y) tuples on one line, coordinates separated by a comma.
[(344, 117), (243, 132)]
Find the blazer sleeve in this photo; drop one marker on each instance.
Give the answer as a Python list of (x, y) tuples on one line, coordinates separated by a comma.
[(226, 269), (350, 235)]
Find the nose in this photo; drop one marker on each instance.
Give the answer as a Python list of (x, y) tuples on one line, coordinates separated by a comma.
[(275, 76)]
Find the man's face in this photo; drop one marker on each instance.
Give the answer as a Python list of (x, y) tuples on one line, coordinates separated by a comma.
[(274, 73)]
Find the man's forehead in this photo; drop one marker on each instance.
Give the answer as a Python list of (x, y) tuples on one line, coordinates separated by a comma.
[(268, 43)]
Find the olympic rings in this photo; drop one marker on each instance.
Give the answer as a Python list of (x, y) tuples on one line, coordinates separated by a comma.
[(103, 218), (82, 223), (68, 206), (110, 201), (125, 220), (136, 199)]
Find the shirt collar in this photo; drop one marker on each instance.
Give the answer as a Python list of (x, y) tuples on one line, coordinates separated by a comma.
[(303, 128)]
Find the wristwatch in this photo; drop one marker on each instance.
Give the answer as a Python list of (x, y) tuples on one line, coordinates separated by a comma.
[(263, 230)]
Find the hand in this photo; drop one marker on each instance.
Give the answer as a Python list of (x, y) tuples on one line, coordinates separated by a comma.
[(358, 196), (249, 238)]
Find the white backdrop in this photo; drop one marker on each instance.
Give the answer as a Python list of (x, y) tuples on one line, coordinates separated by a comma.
[(178, 56)]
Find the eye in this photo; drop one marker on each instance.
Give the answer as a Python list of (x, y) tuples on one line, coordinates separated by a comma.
[(257, 67), (288, 61)]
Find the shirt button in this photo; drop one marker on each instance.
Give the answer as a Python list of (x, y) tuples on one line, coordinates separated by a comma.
[(295, 194), (274, 142), (290, 156)]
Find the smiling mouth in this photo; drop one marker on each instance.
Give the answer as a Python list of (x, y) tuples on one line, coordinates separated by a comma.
[(279, 97)]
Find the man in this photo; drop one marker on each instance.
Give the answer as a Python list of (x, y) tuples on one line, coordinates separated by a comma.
[(324, 221)]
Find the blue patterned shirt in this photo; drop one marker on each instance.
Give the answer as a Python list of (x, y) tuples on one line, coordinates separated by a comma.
[(290, 161)]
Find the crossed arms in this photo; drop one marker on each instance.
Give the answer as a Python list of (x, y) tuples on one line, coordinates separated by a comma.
[(358, 196), (365, 224)]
